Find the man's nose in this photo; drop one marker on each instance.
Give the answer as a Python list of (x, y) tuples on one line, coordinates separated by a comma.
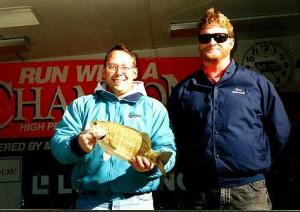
[(212, 41), (118, 70)]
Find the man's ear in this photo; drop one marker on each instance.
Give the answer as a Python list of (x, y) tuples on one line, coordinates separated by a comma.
[(104, 73), (231, 41), (135, 73)]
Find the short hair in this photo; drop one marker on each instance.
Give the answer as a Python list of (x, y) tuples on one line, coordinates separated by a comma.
[(121, 47), (213, 16)]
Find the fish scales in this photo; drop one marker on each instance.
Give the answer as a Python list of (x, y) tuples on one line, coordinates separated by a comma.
[(126, 142)]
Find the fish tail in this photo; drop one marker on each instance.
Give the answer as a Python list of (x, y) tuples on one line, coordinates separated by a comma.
[(160, 166), (160, 159)]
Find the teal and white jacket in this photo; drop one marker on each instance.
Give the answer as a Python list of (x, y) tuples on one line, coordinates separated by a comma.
[(92, 172)]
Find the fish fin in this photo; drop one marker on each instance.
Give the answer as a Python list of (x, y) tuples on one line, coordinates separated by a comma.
[(160, 166), (111, 144), (158, 158), (163, 158)]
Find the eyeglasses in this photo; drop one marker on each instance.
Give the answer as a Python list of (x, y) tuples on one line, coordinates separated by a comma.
[(218, 37), (114, 68)]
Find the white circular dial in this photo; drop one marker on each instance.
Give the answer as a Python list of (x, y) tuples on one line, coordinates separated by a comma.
[(270, 60)]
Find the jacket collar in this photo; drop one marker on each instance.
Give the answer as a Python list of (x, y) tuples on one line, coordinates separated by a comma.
[(229, 71)]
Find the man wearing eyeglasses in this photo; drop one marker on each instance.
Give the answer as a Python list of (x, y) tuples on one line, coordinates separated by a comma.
[(226, 121), (104, 181)]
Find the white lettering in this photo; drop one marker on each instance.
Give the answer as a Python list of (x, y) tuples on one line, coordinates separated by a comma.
[(40, 76), (171, 81), (27, 73), (35, 103), (51, 126), (32, 127), (180, 182), (7, 89), (34, 146), (47, 146), (60, 98), (162, 92), (12, 147), (87, 74), (170, 183), (61, 186), (40, 188), (151, 72)]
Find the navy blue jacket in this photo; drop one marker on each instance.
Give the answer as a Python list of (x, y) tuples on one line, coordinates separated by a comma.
[(227, 133)]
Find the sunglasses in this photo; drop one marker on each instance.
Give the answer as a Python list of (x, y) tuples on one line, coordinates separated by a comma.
[(218, 37)]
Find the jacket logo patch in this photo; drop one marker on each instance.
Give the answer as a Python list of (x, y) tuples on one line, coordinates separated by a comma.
[(132, 115), (239, 91)]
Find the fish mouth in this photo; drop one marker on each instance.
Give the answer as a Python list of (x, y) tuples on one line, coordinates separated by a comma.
[(101, 137)]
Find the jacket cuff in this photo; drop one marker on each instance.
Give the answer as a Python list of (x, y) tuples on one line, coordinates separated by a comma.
[(75, 147), (152, 171)]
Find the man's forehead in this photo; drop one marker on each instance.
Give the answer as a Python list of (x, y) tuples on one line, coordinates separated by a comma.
[(119, 55), (213, 28)]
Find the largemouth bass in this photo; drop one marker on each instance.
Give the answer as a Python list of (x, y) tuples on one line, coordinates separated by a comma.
[(125, 143)]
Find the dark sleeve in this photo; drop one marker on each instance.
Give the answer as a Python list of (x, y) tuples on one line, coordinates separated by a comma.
[(175, 110), (276, 123)]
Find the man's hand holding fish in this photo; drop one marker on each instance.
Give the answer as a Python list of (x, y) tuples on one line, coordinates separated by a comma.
[(86, 141), (141, 164)]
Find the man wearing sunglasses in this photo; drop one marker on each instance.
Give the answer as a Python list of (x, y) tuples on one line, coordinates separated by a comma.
[(226, 121)]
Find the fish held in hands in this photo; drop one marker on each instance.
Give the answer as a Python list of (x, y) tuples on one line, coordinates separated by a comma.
[(125, 143)]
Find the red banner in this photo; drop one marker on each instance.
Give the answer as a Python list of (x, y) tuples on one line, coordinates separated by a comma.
[(33, 95)]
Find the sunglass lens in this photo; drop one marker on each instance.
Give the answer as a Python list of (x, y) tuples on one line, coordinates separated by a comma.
[(220, 38), (204, 38)]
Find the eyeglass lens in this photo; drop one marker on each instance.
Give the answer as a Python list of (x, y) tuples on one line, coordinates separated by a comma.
[(117, 67), (218, 37)]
